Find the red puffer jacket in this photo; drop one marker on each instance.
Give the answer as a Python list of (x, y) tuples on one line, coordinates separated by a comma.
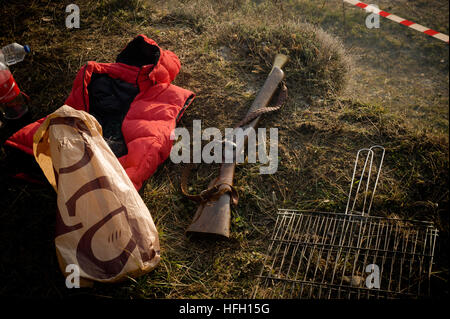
[(134, 101)]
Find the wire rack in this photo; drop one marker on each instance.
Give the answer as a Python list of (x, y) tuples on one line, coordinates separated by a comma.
[(351, 255)]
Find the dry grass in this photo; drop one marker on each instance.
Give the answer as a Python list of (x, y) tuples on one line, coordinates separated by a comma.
[(226, 48)]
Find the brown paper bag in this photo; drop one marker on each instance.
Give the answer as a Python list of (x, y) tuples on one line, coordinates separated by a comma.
[(102, 226)]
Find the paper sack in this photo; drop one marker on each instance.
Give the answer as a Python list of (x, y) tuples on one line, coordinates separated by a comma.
[(102, 224)]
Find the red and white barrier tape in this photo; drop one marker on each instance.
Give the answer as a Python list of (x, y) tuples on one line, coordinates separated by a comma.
[(393, 17)]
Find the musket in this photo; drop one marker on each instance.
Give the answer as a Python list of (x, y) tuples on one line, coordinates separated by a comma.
[(212, 218)]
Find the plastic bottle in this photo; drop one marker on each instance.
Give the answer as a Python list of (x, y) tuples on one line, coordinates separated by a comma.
[(13, 102), (13, 53)]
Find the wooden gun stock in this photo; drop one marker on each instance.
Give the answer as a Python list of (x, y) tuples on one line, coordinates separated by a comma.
[(212, 218)]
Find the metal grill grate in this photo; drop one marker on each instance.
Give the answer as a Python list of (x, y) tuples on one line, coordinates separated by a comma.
[(318, 255), (326, 255)]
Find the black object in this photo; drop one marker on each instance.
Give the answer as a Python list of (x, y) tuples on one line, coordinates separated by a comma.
[(109, 102)]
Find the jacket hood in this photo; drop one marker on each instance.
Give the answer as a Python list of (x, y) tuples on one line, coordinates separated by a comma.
[(162, 66), (139, 52)]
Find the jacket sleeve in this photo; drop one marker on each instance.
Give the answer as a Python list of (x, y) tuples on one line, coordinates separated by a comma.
[(23, 139)]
